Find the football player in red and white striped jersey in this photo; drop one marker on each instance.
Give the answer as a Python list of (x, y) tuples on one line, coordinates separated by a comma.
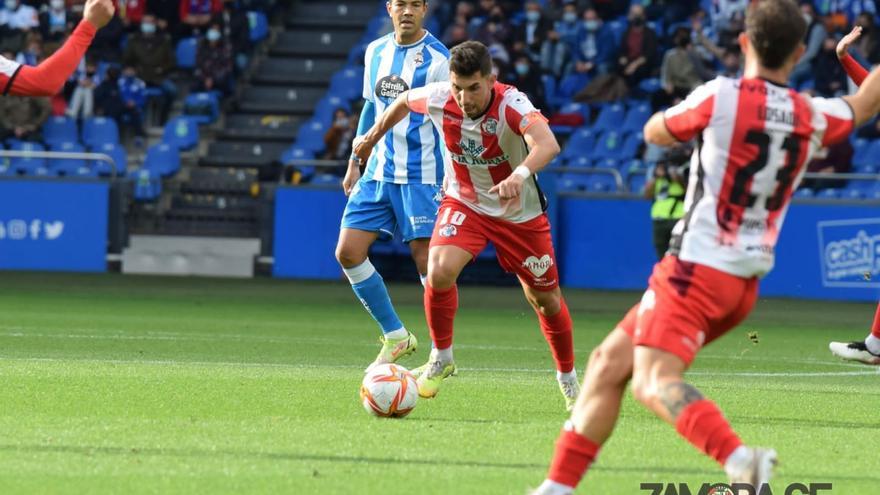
[(754, 137), (496, 142), (47, 78), (864, 351)]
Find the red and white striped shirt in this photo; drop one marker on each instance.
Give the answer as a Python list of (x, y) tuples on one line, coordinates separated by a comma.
[(755, 139), (483, 152)]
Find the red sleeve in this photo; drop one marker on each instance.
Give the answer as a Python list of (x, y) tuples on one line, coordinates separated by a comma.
[(47, 78), (687, 119), (854, 69)]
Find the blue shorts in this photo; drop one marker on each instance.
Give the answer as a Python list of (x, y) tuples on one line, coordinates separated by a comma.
[(376, 206)]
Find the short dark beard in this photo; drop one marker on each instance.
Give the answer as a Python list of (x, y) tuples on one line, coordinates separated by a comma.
[(678, 395)]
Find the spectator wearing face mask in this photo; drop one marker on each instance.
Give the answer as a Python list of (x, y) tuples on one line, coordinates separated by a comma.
[(637, 55), (556, 52), (214, 62), (132, 91), (132, 13), (54, 22), (236, 29), (815, 37), (195, 15), (16, 20), (527, 79), (107, 43), (534, 30), (152, 56), (681, 70), (594, 49)]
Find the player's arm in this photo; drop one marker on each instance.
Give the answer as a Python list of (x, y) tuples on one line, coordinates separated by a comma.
[(853, 69), (656, 132), (682, 122), (353, 173), (543, 148), (866, 102), (397, 111), (47, 78)]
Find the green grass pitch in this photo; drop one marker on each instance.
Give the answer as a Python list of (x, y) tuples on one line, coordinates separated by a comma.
[(112, 384)]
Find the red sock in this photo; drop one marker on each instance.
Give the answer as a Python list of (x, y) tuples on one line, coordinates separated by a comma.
[(574, 454), (875, 329), (703, 425), (440, 307), (557, 331)]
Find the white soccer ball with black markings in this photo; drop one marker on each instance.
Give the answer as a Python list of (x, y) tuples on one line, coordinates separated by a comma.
[(389, 391)]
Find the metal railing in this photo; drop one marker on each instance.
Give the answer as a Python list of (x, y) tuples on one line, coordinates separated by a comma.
[(63, 155)]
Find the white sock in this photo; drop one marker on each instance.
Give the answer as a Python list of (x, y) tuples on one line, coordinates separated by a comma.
[(444, 355), (358, 274), (566, 377), (738, 460), (873, 344), (397, 334), (550, 487)]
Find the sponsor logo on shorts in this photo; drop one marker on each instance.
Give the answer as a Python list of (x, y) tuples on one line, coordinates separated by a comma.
[(448, 230), (538, 266), (420, 220), (649, 300)]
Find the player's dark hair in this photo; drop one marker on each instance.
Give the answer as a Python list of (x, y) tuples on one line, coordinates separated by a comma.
[(469, 58), (775, 29)]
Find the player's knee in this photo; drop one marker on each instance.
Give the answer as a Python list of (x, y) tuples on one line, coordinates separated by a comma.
[(642, 389), (441, 276), (547, 303), (605, 368), (348, 257)]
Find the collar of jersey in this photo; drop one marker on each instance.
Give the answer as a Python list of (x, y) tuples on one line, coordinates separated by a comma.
[(421, 40)]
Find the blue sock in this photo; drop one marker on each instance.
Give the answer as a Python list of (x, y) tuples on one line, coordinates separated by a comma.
[(370, 288)]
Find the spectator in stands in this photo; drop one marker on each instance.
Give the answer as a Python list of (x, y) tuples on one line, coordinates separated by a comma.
[(195, 15), (681, 71), (593, 50), (132, 91), (214, 62), (16, 20), (816, 35), (82, 102), (166, 14), (609, 9), (495, 29), (107, 42), (151, 54), (527, 79), (22, 117), (637, 55), (338, 138), (868, 46), (830, 75), (236, 29), (534, 30), (731, 64), (456, 33), (132, 12), (836, 159), (108, 97), (557, 49), (54, 22), (666, 188), (724, 12), (33, 51), (670, 11)]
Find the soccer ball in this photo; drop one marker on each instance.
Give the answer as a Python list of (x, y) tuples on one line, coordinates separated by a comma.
[(389, 391)]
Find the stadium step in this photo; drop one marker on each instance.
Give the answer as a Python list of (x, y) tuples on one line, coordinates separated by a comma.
[(190, 255), (254, 127), (221, 181), (262, 157), (354, 14), (316, 43), (289, 71), (280, 101)]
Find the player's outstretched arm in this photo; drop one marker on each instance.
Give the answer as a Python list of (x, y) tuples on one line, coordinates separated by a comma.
[(363, 146), (853, 69), (543, 148), (866, 102), (656, 131), (47, 78)]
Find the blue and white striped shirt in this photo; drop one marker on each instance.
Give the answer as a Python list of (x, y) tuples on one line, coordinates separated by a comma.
[(411, 152)]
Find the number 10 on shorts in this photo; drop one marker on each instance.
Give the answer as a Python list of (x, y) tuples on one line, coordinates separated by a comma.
[(448, 221)]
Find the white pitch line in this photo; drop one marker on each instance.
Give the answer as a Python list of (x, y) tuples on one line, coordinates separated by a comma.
[(478, 370)]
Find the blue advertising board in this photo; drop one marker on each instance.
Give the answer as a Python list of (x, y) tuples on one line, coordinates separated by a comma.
[(57, 226), (306, 229)]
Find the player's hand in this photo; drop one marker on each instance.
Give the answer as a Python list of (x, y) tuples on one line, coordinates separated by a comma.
[(843, 44), (98, 12), (509, 188), (362, 148), (352, 175)]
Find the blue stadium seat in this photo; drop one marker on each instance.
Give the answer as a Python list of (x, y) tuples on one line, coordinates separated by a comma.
[(581, 142), (608, 145), (829, 193), (28, 166), (115, 151), (147, 185), (99, 130), (297, 153), (327, 106), (636, 118), (571, 84), (549, 83), (572, 182), (325, 180), (583, 161), (66, 167), (203, 107), (860, 152), (311, 136), (186, 52), (258, 25), (607, 163), (865, 168), (60, 129), (650, 85), (182, 133), (636, 182), (804, 192), (162, 159), (852, 193), (601, 183), (347, 83), (610, 117)]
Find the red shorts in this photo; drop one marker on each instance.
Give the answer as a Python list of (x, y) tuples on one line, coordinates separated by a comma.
[(688, 305), (525, 249)]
